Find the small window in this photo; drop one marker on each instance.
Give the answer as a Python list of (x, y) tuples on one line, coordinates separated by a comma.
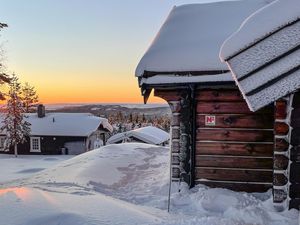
[(35, 144), (2, 143)]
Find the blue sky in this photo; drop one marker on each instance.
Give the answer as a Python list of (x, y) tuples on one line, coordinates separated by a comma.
[(81, 50)]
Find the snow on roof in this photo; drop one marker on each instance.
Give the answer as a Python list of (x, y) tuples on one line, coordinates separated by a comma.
[(166, 79), (191, 37), (263, 54), (65, 124), (149, 134), (259, 25)]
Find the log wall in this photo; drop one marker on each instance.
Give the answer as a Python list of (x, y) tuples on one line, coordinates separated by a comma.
[(237, 151), (180, 103), (281, 152)]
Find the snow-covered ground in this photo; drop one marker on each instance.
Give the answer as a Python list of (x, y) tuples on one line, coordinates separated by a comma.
[(23, 166), (125, 184)]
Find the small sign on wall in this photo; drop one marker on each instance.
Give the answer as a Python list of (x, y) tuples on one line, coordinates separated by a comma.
[(210, 120)]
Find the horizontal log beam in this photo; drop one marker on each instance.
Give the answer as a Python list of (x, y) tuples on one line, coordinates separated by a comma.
[(281, 109), (228, 95), (263, 121), (294, 172), (234, 162), (229, 107), (247, 187), (281, 145), (234, 175), (295, 139), (279, 179), (234, 135), (247, 149), (295, 118), (295, 153), (281, 128), (295, 190), (281, 162), (170, 95), (279, 195)]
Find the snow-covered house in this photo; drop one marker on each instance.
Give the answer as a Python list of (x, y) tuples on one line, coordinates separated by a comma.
[(61, 133), (264, 57), (216, 139), (150, 135)]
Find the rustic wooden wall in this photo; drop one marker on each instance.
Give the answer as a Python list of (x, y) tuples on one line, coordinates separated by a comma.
[(237, 152)]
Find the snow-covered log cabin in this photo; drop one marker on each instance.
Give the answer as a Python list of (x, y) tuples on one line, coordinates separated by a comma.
[(149, 135), (216, 139), (62, 133), (264, 58)]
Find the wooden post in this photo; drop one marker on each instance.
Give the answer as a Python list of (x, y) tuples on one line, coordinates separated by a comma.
[(180, 102)]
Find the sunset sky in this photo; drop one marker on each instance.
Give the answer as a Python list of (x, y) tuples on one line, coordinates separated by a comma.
[(76, 51)]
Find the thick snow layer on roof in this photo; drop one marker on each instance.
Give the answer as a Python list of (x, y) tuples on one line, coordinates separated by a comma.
[(273, 92), (149, 134), (191, 37), (260, 24), (65, 124), (166, 79)]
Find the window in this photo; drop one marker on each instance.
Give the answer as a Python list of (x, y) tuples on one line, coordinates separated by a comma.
[(2, 143), (35, 144)]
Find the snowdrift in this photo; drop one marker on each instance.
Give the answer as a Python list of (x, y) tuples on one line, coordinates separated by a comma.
[(129, 171), (128, 184)]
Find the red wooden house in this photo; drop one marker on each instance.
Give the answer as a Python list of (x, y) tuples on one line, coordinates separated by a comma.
[(216, 139)]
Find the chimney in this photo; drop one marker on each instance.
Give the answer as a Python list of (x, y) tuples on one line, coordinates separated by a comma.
[(41, 111)]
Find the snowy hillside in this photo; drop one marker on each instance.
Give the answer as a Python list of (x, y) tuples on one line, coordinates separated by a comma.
[(127, 184)]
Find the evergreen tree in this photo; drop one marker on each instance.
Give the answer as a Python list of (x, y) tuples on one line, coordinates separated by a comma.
[(130, 118), (29, 97), (14, 125), (4, 78)]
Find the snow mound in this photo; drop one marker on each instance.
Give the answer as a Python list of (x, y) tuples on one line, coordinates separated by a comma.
[(130, 171), (149, 134), (100, 187)]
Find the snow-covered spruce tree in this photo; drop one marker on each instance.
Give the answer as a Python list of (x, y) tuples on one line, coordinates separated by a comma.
[(14, 125), (29, 97), (4, 78)]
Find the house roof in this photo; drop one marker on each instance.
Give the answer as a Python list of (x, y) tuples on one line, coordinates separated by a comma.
[(65, 124), (264, 54), (149, 134), (190, 39), (260, 24)]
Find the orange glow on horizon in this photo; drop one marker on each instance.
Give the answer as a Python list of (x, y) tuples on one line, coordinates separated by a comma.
[(108, 88)]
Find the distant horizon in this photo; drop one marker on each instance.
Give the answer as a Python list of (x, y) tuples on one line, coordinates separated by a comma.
[(84, 51)]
